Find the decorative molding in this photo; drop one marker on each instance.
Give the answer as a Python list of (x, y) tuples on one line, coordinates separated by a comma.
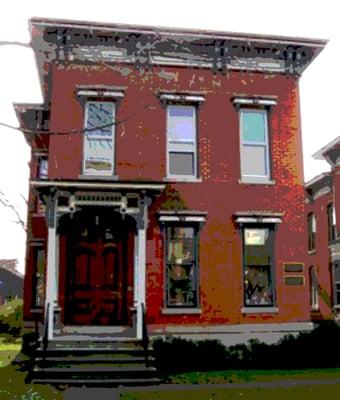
[(186, 98), (253, 101), (259, 310)]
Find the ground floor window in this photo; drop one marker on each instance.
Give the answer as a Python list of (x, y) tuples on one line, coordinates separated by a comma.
[(336, 275), (314, 301), (181, 266), (39, 279), (258, 268)]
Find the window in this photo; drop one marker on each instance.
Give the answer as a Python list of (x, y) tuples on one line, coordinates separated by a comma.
[(314, 301), (258, 258), (331, 222), (311, 221), (182, 141), (254, 145), (99, 138), (39, 268), (336, 275), (181, 266), (43, 168)]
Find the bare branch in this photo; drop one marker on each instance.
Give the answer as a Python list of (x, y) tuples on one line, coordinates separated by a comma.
[(11, 43), (38, 131), (5, 202)]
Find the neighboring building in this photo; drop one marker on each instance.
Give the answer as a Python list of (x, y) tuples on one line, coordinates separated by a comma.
[(323, 216), (11, 280), (189, 206)]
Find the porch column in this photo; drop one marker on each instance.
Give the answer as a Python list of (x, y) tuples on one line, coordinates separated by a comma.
[(51, 291), (140, 270)]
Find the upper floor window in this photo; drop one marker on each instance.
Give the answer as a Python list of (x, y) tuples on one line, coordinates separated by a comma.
[(181, 141), (331, 222), (99, 138), (311, 222), (254, 142), (43, 168)]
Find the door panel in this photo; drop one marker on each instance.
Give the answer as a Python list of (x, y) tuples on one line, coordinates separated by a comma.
[(96, 284)]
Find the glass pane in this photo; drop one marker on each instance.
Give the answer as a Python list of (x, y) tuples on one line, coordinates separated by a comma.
[(99, 119), (181, 124), (43, 169), (253, 126), (181, 164), (253, 160), (181, 285), (257, 285), (181, 248), (98, 155), (40, 264), (255, 237), (337, 272)]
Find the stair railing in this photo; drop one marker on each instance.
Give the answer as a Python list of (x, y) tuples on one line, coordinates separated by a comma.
[(46, 331), (145, 336)]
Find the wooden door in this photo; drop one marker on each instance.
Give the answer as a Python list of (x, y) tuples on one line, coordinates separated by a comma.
[(96, 284)]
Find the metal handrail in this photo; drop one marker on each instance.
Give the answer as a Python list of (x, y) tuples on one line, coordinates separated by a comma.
[(46, 330), (145, 336)]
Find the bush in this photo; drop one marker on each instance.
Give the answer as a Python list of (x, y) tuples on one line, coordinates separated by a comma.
[(316, 349), (180, 355), (11, 317)]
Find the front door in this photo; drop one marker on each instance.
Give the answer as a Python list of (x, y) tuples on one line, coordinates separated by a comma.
[(96, 278)]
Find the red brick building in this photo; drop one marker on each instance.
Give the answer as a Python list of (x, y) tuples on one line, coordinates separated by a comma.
[(166, 181), (322, 212)]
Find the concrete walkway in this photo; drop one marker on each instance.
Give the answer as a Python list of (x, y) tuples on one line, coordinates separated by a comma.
[(114, 393)]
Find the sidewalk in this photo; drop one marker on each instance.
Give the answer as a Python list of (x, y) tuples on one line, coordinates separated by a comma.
[(114, 393)]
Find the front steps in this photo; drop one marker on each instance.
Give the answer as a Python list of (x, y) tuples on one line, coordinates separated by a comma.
[(93, 363)]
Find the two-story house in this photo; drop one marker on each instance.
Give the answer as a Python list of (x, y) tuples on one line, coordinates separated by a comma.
[(166, 187)]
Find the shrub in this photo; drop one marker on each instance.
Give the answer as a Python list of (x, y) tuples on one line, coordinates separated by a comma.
[(11, 317), (180, 355), (316, 349)]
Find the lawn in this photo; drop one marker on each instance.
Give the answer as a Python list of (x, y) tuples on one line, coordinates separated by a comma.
[(12, 381), (314, 392), (13, 386)]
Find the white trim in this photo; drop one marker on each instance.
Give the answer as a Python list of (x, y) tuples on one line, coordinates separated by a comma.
[(233, 328), (259, 310), (101, 185), (255, 101), (180, 311), (181, 218), (181, 97), (101, 93), (258, 220)]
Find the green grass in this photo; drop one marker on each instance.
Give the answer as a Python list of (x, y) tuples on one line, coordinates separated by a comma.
[(12, 381), (241, 376), (330, 392)]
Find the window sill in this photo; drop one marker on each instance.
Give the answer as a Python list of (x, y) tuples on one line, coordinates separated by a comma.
[(99, 177), (259, 310), (245, 181), (180, 311), (182, 179), (311, 252)]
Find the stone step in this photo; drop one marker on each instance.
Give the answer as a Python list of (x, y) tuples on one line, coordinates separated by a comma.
[(95, 358), (111, 382)]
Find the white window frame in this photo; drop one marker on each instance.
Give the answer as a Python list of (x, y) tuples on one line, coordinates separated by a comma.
[(314, 294), (85, 139), (183, 147), (266, 144)]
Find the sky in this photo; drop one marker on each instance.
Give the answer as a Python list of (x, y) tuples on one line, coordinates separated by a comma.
[(319, 85)]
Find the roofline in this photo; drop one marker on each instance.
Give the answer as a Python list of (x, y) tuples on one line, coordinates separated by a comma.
[(316, 179), (319, 155), (199, 33)]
